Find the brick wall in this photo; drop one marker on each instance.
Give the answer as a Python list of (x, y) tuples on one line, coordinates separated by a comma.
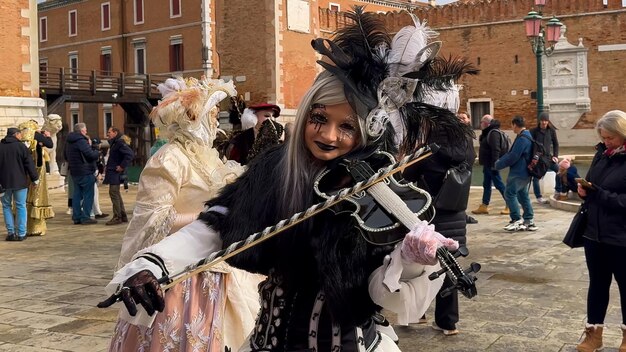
[(15, 46), (246, 57), (493, 31)]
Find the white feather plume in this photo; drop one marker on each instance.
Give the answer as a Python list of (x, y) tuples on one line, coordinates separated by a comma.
[(406, 46), (248, 119)]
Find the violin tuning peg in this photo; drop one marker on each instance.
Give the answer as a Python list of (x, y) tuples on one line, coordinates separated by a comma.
[(473, 268), (461, 252)]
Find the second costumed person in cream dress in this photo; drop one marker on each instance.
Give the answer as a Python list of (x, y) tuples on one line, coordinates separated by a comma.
[(215, 309)]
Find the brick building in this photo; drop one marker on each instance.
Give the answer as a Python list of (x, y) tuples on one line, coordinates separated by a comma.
[(19, 82), (129, 39), (267, 55)]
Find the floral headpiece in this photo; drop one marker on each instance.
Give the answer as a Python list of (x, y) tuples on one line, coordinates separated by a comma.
[(187, 100)]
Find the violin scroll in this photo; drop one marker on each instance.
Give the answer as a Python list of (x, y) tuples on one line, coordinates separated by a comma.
[(463, 280)]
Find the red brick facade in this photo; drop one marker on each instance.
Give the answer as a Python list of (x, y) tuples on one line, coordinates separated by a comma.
[(15, 49), (493, 33), (271, 61)]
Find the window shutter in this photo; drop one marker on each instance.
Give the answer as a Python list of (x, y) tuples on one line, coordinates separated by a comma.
[(182, 57), (172, 59)]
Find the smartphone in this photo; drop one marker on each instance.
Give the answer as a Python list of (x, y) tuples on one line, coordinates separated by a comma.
[(584, 182)]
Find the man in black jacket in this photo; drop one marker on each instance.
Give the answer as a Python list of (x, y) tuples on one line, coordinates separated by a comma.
[(489, 151), (545, 134), (15, 161), (82, 158), (452, 224), (120, 156)]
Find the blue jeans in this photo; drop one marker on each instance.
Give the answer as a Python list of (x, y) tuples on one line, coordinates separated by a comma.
[(491, 177), (536, 189), (517, 191), (20, 207), (82, 199), (563, 188)]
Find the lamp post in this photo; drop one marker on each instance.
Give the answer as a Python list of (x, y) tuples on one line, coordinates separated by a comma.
[(542, 40)]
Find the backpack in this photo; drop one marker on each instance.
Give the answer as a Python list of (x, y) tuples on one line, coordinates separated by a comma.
[(505, 142), (540, 161)]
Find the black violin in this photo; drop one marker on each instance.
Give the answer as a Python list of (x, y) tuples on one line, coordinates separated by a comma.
[(379, 226), (376, 224)]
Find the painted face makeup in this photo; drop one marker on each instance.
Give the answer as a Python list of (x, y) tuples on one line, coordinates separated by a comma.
[(331, 131)]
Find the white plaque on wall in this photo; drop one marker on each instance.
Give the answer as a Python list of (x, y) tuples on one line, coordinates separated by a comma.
[(298, 16)]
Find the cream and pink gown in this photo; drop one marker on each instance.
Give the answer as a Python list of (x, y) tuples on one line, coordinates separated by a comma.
[(210, 310)]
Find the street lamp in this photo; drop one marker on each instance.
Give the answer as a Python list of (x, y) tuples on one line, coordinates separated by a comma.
[(542, 40)]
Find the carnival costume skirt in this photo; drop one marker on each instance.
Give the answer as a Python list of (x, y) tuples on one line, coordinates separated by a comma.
[(38, 205), (206, 312)]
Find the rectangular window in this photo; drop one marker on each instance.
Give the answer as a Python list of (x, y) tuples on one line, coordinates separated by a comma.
[(334, 7), (105, 16), (74, 115), (71, 19), (140, 59), (108, 119), (138, 11), (73, 66), (176, 57), (175, 10), (43, 29)]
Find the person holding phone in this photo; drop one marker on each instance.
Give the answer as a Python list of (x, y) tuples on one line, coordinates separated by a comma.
[(604, 192)]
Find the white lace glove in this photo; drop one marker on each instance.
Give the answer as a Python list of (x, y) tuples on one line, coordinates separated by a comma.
[(420, 245)]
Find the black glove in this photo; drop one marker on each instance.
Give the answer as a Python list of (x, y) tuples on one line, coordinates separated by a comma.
[(142, 288)]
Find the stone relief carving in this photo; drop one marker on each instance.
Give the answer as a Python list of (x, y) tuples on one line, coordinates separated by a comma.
[(562, 67), (53, 124), (566, 83)]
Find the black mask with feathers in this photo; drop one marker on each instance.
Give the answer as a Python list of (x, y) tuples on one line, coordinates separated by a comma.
[(399, 87)]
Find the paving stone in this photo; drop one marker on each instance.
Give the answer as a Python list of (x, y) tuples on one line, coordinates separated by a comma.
[(21, 348), (68, 342), (32, 305), (531, 289)]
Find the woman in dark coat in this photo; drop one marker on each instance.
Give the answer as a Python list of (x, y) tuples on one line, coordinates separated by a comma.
[(605, 234), (120, 157)]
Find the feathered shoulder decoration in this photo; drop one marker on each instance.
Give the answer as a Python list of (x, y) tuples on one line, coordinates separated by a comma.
[(381, 75)]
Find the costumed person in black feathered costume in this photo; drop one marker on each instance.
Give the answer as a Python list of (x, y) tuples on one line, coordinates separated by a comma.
[(325, 281), (260, 131)]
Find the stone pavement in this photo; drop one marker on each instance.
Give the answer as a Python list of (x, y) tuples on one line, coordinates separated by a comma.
[(531, 288)]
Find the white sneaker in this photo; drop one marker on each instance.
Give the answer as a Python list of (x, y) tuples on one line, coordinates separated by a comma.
[(69, 211), (530, 226), (542, 200), (515, 225)]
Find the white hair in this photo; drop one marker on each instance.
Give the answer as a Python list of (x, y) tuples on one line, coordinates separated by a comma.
[(613, 121)]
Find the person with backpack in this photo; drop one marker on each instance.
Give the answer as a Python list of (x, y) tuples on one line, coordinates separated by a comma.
[(545, 135), (517, 159), (493, 143)]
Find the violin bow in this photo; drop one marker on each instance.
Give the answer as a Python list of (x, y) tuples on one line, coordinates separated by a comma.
[(235, 248)]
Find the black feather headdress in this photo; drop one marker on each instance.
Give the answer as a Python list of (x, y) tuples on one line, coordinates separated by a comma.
[(383, 76)]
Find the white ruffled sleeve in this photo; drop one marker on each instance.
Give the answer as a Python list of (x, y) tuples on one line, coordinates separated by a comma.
[(404, 287), (186, 246)]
